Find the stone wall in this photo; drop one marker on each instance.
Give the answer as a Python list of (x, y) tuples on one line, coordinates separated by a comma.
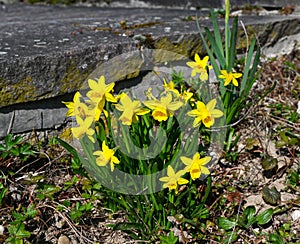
[(48, 52), (173, 4)]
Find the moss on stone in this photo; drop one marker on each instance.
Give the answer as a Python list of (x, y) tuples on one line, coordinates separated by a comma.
[(73, 79), (18, 92), (119, 68), (242, 41), (183, 47), (26, 89), (66, 134)]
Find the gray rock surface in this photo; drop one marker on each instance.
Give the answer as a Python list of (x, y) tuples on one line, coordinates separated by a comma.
[(48, 52), (180, 4)]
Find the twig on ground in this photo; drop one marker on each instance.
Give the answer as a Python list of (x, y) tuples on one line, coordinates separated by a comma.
[(76, 232), (286, 122), (235, 223)]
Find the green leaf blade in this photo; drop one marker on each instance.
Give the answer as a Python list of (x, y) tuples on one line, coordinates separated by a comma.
[(264, 217), (225, 223)]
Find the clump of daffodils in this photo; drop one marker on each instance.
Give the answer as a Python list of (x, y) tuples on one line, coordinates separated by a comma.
[(99, 103)]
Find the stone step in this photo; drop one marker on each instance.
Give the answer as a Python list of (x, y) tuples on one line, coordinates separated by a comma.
[(179, 4), (196, 4), (47, 52)]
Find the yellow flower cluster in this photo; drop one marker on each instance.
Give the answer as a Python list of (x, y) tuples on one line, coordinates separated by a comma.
[(195, 166), (201, 66), (89, 111)]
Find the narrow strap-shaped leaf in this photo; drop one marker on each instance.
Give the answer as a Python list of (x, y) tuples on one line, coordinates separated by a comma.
[(255, 63), (89, 148), (207, 191), (250, 82), (68, 147), (237, 103), (247, 66), (217, 32), (211, 56), (232, 50), (215, 48), (252, 74)]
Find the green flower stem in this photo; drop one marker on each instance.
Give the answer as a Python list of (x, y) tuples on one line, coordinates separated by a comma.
[(227, 32), (171, 197), (230, 137), (207, 190), (124, 133)]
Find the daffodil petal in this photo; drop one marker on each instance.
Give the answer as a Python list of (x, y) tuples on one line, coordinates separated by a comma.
[(109, 97), (175, 106), (237, 75), (204, 161), (234, 82), (187, 161), (92, 84), (193, 113), (217, 113), (109, 87), (164, 179), (211, 104), (197, 122), (197, 58), (170, 171), (205, 171), (182, 181), (152, 104), (142, 111)]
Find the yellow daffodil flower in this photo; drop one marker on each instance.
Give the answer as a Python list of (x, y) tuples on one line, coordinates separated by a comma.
[(99, 93), (106, 156), (164, 108), (186, 96), (196, 165), (199, 66), (230, 77), (76, 107), (205, 113), (173, 180), (84, 128), (131, 109), (170, 87)]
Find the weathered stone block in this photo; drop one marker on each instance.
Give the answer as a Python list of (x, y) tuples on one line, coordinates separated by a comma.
[(48, 52)]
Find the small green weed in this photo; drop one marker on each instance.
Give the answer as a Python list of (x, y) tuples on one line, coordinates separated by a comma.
[(79, 210), (47, 191), (285, 111), (293, 178), (170, 239), (17, 229), (248, 219), (14, 147), (283, 235)]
